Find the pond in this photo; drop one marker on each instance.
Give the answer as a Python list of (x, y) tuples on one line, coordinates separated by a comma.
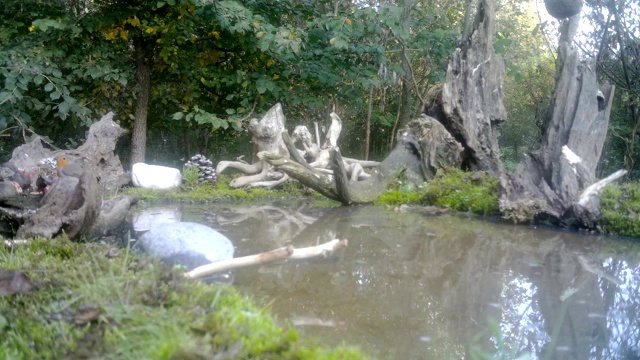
[(415, 285)]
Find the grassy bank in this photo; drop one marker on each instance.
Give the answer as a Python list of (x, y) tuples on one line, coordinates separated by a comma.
[(92, 300)]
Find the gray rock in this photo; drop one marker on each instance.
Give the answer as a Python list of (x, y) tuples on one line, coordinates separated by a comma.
[(185, 243)]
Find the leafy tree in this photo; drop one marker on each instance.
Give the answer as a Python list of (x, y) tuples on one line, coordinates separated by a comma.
[(529, 78)]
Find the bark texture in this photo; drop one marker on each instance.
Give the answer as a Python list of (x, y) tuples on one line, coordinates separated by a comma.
[(139, 135), (73, 202), (548, 184), (265, 135), (470, 104)]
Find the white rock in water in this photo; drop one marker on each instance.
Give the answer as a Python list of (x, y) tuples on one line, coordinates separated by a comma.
[(155, 176), (186, 243)]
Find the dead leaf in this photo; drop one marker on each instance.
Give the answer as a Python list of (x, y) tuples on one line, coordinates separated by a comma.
[(87, 313), (14, 282)]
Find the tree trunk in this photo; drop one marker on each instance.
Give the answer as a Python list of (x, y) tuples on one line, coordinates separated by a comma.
[(470, 105), (139, 136), (367, 129), (548, 184)]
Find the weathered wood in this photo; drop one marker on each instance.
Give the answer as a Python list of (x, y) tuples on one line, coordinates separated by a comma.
[(287, 252), (547, 185), (71, 206), (422, 147), (112, 215), (322, 183), (265, 135), (472, 99)]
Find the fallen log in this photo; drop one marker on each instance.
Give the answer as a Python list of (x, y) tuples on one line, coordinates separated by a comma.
[(287, 252)]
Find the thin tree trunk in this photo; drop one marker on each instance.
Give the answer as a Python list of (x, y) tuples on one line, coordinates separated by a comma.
[(367, 129), (395, 124), (139, 136)]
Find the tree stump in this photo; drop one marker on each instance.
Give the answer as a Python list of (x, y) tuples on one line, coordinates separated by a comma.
[(548, 184), (470, 104)]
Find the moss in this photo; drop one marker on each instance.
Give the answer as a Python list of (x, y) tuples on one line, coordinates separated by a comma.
[(146, 311), (621, 209), (453, 189), (220, 192), (458, 190), (399, 196)]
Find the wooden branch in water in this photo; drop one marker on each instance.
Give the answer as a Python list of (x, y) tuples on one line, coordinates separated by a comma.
[(596, 188), (283, 253)]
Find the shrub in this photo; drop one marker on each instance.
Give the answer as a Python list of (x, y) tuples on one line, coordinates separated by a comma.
[(621, 209), (458, 190)]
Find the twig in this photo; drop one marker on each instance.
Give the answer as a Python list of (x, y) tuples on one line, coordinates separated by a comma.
[(324, 250)]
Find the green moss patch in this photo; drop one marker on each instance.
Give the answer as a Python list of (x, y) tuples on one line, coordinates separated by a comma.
[(93, 301), (458, 190), (221, 192), (621, 209), (452, 189)]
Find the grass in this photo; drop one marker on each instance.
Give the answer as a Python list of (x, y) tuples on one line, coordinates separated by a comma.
[(222, 192), (146, 311)]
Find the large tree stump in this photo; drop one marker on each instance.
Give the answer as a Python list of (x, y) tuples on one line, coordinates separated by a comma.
[(470, 105), (548, 184)]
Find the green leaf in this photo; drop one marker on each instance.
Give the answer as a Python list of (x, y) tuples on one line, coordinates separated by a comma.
[(38, 79), (63, 107), (160, 4), (48, 87), (55, 95), (56, 73), (178, 116)]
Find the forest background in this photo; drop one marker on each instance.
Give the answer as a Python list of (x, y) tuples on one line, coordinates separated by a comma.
[(186, 76)]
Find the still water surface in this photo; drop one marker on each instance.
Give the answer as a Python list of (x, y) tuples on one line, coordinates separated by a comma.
[(412, 285)]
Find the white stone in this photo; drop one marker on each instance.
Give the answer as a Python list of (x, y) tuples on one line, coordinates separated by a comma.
[(186, 243), (155, 176)]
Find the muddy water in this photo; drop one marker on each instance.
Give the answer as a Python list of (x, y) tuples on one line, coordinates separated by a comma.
[(412, 285)]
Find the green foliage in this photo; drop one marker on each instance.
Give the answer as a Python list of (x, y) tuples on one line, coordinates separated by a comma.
[(190, 176), (146, 311), (621, 209), (463, 191), (398, 197), (529, 81)]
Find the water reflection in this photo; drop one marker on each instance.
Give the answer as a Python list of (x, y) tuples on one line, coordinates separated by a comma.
[(416, 286)]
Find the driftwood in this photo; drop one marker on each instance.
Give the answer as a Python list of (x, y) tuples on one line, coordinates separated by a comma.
[(70, 206), (422, 147), (73, 204), (548, 184), (265, 135), (287, 252)]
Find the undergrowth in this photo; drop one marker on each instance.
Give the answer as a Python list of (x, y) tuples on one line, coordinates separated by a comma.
[(143, 311), (453, 189), (621, 209)]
